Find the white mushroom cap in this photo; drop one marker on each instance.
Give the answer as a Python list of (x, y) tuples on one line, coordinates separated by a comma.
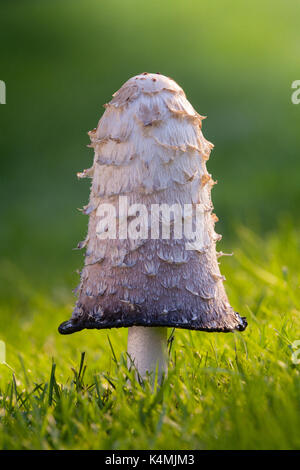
[(150, 148)]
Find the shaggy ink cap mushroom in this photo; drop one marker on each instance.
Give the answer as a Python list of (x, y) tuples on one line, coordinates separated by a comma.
[(150, 148)]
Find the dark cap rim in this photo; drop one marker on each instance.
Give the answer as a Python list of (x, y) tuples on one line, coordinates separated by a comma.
[(70, 326)]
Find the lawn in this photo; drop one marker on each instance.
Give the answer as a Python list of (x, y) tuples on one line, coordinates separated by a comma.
[(223, 391)]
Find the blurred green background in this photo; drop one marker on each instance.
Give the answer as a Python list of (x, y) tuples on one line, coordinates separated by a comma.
[(62, 59)]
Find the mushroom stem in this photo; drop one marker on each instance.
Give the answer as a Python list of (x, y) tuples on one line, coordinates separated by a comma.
[(147, 349)]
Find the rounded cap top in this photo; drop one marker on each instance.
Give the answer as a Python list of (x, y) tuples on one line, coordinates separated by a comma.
[(145, 83), (151, 83)]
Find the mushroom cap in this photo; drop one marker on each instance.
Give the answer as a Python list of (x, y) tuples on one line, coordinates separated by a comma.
[(150, 83), (150, 148)]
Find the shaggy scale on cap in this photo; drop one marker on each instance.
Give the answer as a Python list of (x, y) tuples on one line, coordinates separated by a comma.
[(150, 148)]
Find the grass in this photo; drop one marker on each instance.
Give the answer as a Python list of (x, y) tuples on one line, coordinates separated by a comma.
[(223, 391)]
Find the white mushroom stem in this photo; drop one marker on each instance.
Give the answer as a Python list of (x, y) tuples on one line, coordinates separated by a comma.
[(147, 349)]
